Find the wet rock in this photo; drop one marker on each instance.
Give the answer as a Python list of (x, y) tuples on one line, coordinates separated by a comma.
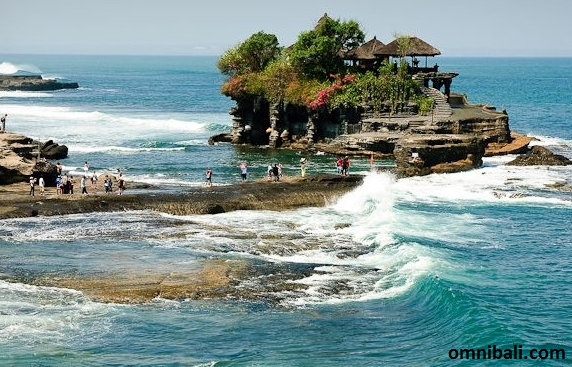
[(540, 156)]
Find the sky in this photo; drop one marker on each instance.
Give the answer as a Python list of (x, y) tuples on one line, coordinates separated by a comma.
[(210, 27)]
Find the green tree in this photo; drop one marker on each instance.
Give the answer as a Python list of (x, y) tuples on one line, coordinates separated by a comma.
[(251, 56), (317, 52)]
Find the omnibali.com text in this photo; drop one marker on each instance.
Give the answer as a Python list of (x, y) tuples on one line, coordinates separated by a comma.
[(516, 352)]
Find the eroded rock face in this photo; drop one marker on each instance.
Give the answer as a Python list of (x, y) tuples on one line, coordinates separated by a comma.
[(18, 159), (540, 156), (419, 155)]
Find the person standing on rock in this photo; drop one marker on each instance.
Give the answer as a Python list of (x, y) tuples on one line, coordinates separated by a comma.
[(42, 185), (83, 185), (243, 171), (209, 174), (3, 120), (32, 185), (94, 181)]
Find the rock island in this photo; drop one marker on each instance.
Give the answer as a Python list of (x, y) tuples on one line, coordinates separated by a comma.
[(333, 92)]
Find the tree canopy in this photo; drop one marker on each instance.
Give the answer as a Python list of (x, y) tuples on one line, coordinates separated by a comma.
[(317, 52), (251, 56)]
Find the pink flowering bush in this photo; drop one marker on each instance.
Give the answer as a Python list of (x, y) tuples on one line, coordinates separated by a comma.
[(324, 95)]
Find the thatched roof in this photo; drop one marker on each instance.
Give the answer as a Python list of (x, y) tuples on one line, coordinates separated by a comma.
[(418, 48), (366, 51)]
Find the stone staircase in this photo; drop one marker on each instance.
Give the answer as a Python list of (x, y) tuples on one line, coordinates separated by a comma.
[(442, 107)]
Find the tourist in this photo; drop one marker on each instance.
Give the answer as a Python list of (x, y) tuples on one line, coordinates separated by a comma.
[(303, 162), (339, 164), (120, 184), (3, 120), (32, 184), (346, 166), (243, 171), (275, 172), (209, 174), (59, 169), (107, 184), (58, 185), (269, 173), (94, 180), (70, 185), (83, 185), (65, 184), (280, 170), (42, 185), (85, 168)]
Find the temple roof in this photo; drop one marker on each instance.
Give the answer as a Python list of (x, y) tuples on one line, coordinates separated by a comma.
[(366, 51), (418, 48)]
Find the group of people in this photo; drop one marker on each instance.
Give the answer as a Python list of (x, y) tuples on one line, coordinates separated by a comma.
[(274, 172), (343, 166), (65, 182)]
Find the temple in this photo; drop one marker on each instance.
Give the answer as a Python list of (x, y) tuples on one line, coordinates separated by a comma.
[(449, 136)]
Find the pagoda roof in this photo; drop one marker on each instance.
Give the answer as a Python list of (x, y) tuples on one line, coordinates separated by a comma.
[(418, 48), (367, 51)]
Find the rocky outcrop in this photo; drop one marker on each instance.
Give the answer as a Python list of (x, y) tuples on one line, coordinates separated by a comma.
[(51, 150), (540, 156), (18, 159), (289, 193), (419, 155), (33, 83)]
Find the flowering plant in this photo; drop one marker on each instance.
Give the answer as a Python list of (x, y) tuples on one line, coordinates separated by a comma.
[(324, 95)]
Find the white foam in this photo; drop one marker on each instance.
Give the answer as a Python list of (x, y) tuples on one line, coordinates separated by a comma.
[(22, 94)]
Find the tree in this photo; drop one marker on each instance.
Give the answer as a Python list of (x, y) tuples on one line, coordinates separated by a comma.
[(251, 56), (317, 52)]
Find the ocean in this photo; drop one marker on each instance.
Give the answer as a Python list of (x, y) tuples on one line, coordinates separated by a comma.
[(399, 272)]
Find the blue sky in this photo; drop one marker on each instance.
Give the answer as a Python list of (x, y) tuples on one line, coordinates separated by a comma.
[(188, 27)]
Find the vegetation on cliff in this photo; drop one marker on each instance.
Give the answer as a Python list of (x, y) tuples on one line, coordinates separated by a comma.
[(312, 73)]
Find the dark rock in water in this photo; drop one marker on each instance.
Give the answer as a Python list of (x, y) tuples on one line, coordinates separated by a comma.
[(51, 150), (540, 156), (220, 138), (33, 83)]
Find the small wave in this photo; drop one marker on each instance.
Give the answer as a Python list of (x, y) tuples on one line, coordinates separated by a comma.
[(118, 149), (9, 68), (22, 94)]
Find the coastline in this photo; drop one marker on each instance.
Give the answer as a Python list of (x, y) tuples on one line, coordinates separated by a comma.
[(289, 193)]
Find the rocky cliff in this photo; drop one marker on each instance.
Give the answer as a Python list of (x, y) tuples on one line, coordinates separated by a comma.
[(19, 159), (450, 139)]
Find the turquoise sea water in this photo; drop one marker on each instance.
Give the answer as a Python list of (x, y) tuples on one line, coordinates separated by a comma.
[(397, 272)]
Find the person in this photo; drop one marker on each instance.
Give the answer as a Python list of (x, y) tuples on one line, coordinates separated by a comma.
[(209, 174), (346, 166), (32, 184), (58, 185), (269, 173), (59, 169), (339, 164), (107, 184), (3, 120), (275, 172), (303, 162), (94, 180), (243, 171), (85, 168), (120, 184), (42, 185), (83, 185), (280, 170), (70, 183)]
